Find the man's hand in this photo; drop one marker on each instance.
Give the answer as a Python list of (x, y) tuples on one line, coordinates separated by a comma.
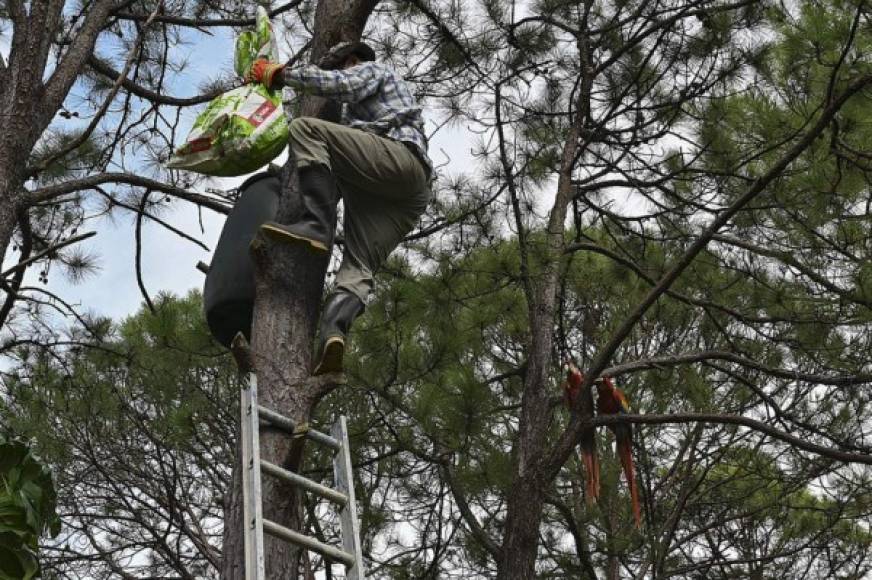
[(266, 73)]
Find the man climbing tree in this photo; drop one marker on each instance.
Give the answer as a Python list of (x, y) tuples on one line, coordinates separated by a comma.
[(377, 158)]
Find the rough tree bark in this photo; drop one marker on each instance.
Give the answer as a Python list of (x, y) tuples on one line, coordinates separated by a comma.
[(289, 284)]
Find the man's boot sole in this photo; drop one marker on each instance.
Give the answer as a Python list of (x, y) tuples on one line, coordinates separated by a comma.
[(331, 357), (290, 237)]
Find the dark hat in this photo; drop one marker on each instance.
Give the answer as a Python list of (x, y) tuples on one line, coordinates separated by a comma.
[(337, 55)]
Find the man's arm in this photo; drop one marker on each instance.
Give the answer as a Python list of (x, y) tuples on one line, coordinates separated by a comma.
[(349, 85)]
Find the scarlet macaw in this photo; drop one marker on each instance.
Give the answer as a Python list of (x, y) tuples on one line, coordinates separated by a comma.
[(611, 401), (587, 446)]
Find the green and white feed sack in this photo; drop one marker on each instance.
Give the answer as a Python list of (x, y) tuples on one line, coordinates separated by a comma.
[(245, 128)]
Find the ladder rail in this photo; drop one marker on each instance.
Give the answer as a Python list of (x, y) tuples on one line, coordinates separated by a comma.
[(251, 483), (348, 520)]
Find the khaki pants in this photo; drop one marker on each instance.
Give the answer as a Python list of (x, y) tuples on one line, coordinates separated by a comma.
[(384, 186)]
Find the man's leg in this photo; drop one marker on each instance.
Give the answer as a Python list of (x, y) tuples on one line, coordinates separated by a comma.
[(318, 192), (374, 227), (385, 189)]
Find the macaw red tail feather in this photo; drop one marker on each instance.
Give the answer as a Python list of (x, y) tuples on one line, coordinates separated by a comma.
[(592, 473), (626, 454)]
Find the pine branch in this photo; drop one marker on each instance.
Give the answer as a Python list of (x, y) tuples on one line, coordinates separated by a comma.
[(849, 42), (46, 252), (788, 259), (101, 112), (726, 419), (626, 262), (659, 362), (475, 528), (67, 70), (208, 22), (706, 10), (50, 192), (581, 547), (49, 346), (446, 32), (514, 197), (103, 68), (53, 300), (154, 218)]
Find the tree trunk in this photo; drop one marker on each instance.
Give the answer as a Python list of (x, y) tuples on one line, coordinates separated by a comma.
[(289, 283), (13, 160), (21, 122), (11, 180), (8, 209), (521, 536)]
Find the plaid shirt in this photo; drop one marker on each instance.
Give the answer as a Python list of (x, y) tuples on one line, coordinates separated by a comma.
[(377, 100)]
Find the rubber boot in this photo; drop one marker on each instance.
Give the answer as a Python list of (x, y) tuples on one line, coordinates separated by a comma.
[(339, 312), (319, 196)]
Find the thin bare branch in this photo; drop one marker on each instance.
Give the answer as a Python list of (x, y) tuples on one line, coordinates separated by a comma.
[(208, 22), (724, 419), (52, 191), (103, 68), (138, 259), (682, 359)]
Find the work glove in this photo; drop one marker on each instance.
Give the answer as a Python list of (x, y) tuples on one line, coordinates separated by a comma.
[(266, 73)]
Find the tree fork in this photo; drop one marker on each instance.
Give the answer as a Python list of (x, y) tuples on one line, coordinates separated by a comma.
[(289, 281)]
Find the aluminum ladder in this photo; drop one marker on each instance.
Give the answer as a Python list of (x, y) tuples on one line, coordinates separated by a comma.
[(350, 553)]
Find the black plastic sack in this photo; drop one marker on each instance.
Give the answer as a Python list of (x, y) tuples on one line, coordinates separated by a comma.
[(228, 294)]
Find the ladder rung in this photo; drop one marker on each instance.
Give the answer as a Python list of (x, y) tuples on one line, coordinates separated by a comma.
[(326, 550), (285, 424), (298, 480)]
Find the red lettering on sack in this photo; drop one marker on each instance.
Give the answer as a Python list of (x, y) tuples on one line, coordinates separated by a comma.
[(262, 112), (201, 144)]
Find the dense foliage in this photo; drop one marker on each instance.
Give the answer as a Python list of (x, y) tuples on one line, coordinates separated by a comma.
[(139, 433)]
